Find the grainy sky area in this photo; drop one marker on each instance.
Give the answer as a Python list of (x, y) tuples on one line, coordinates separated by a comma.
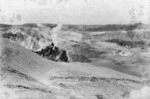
[(75, 11)]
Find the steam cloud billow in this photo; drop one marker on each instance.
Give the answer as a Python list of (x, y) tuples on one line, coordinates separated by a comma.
[(55, 33)]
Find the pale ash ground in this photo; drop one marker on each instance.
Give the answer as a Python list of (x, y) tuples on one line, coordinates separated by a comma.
[(25, 75)]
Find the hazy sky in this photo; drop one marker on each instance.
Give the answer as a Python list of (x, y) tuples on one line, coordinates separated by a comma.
[(75, 11)]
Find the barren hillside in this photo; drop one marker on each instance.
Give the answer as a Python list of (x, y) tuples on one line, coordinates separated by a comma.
[(46, 61)]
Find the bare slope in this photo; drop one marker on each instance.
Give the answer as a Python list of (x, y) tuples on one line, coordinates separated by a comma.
[(37, 67), (68, 80)]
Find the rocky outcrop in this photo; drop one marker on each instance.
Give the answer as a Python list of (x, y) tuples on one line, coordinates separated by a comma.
[(17, 36), (53, 53)]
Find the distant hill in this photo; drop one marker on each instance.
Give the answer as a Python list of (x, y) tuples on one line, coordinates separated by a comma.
[(86, 28), (32, 25), (109, 27), (5, 25)]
